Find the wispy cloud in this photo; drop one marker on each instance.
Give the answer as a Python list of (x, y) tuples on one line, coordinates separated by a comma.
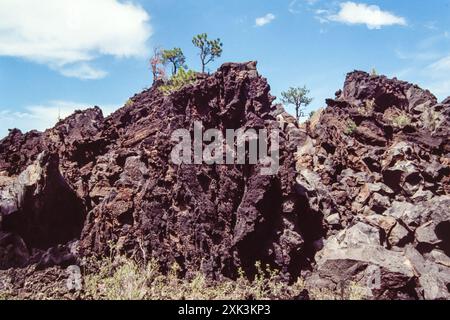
[(262, 21), (417, 55), (372, 16), (66, 35), (83, 71), (431, 25), (442, 65), (296, 6), (43, 116), (427, 63)]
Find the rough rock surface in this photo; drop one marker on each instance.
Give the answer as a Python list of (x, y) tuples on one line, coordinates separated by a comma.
[(215, 217), (376, 161), (362, 194)]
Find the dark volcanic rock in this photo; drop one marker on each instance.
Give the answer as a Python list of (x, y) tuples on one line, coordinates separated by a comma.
[(379, 155), (214, 217), (361, 197)]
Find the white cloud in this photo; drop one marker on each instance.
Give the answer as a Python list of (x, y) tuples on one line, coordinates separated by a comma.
[(442, 65), (296, 6), (83, 71), (370, 15), (42, 117), (262, 21), (64, 33)]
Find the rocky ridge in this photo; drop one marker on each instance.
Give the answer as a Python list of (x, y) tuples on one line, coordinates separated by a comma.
[(361, 197)]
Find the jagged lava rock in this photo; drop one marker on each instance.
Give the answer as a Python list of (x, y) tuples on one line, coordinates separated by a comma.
[(361, 196), (380, 161), (217, 218)]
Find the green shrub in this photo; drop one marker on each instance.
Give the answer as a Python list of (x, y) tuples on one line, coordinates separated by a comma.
[(401, 121), (179, 80), (351, 127)]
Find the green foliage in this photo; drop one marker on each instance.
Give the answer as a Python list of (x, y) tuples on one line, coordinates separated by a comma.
[(351, 127), (209, 49), (298, 97), (401, 121), (175, 57), (373, 72), (311, 114), (180, 79)]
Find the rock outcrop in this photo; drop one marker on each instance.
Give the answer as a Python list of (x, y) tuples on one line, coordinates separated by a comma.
[(376, 165), (218, 218), (361, 195)]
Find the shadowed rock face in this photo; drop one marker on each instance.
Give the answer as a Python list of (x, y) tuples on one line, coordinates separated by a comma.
[(362, 194), (213, 217)]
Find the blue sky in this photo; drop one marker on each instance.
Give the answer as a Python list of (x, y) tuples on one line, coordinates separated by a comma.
[(57, 56)]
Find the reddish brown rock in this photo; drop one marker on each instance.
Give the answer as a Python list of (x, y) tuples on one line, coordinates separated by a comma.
[(368, 178)]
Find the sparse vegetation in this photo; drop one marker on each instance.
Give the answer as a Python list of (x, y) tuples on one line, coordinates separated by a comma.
[(373, 72), (6, 295), (124, 279), (298, 97), (311, 114), (178, 81), (209, 49), (367, 108), (346, 291), (351, 127), (401, 121), (175, 57)]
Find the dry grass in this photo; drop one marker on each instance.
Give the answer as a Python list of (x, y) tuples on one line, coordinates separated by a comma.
[(124, 279), (401, 121), (367, 108), (119, 278)]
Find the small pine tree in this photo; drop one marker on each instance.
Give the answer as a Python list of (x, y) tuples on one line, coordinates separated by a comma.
[(175, 57), (209, 49), (298, 97)]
